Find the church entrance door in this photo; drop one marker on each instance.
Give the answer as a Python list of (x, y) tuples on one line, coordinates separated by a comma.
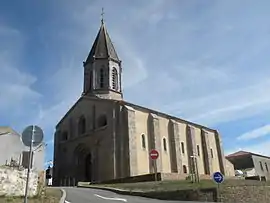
[(88, 168)]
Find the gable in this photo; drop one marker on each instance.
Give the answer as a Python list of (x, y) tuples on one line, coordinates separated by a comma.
[(85, 106)]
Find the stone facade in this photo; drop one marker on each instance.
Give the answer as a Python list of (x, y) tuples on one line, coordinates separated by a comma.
[(102, 137), (229, 168), (13, 181), (121, 148)]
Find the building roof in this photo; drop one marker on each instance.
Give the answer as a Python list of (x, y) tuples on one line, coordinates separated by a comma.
[(6, 130), (244, 153), (102, 47), (122, 102)]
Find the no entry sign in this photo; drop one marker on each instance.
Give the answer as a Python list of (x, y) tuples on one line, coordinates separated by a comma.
[(154, 154)]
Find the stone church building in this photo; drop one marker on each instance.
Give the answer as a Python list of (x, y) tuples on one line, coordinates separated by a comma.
[(103, 137)]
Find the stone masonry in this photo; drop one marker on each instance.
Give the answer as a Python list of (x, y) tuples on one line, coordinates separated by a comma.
[(132, 141), (13, 181)]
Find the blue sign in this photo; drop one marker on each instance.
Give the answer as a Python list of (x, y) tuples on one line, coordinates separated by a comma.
[(218, 177)]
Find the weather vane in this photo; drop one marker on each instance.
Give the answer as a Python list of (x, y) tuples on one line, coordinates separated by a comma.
[(102, 15)]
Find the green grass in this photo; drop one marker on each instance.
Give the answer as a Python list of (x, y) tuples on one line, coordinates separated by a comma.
[(51, 195), (157, 186), (174, 185)]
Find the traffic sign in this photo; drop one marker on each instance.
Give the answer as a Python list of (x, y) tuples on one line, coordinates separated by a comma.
[(154, 154), (218, 177), (32, 134)]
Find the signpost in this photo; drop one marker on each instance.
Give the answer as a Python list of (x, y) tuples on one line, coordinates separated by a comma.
[(154, 156), (218, 178), (32, 136)]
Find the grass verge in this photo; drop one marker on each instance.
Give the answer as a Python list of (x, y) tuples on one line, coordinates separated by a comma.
[(51, 195)]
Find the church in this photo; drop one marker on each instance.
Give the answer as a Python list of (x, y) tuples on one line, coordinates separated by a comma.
[(103, 137)]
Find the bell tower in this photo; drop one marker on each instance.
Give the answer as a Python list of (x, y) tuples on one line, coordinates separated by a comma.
[(102, 68)]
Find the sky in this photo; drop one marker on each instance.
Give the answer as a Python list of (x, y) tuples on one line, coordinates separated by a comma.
[(205, 61)]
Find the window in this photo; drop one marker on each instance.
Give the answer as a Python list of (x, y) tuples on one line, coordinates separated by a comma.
[(91, 80), (81, 125), (114, 79), (164, 144), (261, 166), (266, 167), (26, 159), (198, 150), (212, 155), (143, 141), (102, 121), (71, 127), (184, 168), (183, 147), (64, 136), (101, 78)]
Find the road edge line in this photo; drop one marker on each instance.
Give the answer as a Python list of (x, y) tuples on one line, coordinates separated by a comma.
[(64, 195)]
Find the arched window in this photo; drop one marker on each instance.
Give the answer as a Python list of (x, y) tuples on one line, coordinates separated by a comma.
[(261, 166), (101, 77), (143, 141), (102, 121), (114, 79), (164, 144), (91, 80), (81, 125), (64, 136), (184, 168)]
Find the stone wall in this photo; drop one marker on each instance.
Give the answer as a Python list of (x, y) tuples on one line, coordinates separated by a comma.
[(13, 180), (245, 194)]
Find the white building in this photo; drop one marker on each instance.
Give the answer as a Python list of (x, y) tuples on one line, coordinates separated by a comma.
[(13, 151)]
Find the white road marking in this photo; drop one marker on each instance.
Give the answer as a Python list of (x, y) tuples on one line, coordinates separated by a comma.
[(112, 198), (67, 201)]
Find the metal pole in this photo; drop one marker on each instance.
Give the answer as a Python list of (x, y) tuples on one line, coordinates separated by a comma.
[(194, 169), (114, 142), (197, 170), (29, 166)]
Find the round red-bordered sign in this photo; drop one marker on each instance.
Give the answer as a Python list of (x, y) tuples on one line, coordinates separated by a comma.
[(154, 154)]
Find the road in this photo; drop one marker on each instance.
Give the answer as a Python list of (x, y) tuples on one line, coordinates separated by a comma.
[(86, 195)]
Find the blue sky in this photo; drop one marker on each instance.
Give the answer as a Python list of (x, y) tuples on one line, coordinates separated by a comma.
[(206, 61)]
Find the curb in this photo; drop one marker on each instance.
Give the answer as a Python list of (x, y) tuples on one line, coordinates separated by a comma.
[(63, 198)]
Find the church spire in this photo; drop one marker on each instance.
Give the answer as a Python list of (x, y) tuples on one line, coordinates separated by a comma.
[(102, 68), (102, 47), (102, 16)]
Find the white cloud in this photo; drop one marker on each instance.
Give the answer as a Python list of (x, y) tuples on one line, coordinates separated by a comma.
[(189, 59), (152, 12), (16, 90), (256, 133), (226, 106)]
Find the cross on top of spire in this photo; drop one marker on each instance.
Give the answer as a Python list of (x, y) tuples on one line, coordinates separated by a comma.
[(102, 15)]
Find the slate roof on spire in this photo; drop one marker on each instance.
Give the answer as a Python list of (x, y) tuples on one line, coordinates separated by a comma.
[(102, 47)]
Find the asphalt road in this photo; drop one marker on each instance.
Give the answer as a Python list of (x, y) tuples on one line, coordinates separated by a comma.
[(86, 195)]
